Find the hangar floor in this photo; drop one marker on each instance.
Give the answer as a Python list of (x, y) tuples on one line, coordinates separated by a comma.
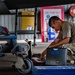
[(9, 71), (40, 47)]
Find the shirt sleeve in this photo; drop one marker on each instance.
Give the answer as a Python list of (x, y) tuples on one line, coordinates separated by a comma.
[(66, 31)]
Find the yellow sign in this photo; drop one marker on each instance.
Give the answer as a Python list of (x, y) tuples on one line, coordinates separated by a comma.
[(28, 20)]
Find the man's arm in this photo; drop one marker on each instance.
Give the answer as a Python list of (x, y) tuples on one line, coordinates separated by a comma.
[(53, 43), (64, 41), (56, 43)]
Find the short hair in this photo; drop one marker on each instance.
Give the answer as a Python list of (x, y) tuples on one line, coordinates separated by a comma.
[(52, 19)]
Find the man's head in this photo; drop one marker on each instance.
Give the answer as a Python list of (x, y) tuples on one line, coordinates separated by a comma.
[(55, 22)]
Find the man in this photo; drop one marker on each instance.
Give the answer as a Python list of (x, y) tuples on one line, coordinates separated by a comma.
[(66, 35)]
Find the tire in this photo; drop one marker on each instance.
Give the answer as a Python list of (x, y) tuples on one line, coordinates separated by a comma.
[(27, 67)]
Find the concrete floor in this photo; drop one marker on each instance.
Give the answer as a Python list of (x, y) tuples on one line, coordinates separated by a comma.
[(9, 71), (40, 47)]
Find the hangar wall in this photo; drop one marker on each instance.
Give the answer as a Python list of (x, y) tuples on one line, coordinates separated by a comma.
[(9, 22)]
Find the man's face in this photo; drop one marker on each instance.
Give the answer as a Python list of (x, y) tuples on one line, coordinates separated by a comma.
[(55, 25)]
